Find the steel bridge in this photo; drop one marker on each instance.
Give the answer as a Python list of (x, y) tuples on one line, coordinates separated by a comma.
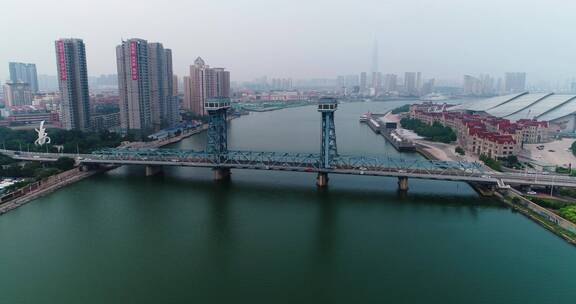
[(328, 161)]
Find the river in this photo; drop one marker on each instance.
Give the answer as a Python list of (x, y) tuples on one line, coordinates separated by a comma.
[(273, 237)]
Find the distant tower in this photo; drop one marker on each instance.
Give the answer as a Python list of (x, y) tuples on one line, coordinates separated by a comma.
[(375, 57), (24, 72), (327, 107)]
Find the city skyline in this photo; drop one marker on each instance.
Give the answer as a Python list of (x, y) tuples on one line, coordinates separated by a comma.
[(294, 50)]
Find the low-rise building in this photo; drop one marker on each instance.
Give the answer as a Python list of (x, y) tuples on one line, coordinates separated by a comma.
[(484, 134), (25, 115), (110, 121)]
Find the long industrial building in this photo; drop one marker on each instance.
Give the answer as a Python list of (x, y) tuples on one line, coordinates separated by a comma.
[(558, 110)]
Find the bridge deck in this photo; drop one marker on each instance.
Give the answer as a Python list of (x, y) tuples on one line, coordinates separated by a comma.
[(305, 162)]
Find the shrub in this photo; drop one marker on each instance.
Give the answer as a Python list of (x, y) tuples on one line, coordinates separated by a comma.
[(459, 150), (490, 162), (64, 163), (569, 213), (549, 203), (401, 109)]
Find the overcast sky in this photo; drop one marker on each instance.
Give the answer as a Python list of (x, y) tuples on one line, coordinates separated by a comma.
[(306, 38)]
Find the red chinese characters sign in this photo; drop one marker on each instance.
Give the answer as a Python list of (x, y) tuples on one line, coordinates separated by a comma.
[(61, 59), (133, 61)]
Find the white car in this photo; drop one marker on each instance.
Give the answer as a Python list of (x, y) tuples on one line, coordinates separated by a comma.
[(531, 192)]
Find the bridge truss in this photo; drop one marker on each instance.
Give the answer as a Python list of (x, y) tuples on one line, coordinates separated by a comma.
[(287, 160)]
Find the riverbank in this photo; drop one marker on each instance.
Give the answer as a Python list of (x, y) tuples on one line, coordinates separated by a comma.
[(545, 218), (31, 192), (542, 216)]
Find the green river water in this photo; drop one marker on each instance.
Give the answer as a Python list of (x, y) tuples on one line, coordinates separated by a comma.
[(273, 237)]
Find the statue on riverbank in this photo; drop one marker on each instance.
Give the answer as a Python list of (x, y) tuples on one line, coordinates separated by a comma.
[(42, 135)]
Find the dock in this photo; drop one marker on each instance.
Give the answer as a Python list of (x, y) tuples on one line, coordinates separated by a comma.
[(389, 131)]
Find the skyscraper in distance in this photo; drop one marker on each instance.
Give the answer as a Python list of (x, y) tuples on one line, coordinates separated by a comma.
[(203, 83), (73, 84), (363, 81), (410, 83), (24, 72), (515, 82)]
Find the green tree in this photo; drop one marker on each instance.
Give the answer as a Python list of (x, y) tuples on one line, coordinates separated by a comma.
[(435, 132), (64, 163), (459, 150)]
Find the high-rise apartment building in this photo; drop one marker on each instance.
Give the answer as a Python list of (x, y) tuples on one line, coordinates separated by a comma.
[(146, 86), (17, 94), (428, 87), (24, 72), (363, 81), (472, 86), (134, 85), (377, 81), (204, 82), (164, 104), (390, 83), (73, 84), (223, 83), (174, 85), (410, 83), (515, 82)]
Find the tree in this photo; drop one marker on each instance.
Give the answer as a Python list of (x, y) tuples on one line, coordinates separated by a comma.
[(64, 163), (459, 150)]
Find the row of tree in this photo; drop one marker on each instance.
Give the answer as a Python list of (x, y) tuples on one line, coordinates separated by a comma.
[(435, 132)]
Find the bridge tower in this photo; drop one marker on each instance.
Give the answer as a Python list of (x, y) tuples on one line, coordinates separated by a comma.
[(327, 107), (217, 109)]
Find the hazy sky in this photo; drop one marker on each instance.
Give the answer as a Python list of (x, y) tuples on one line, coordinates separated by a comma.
[(305, 38)]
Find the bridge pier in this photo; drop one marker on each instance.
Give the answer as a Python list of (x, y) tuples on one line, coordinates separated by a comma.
[(153, 170), (403, 183), (221, 174), (322, 179)]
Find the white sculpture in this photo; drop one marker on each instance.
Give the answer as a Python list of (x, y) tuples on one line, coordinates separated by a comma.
[(42, 135), (59, 148)]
